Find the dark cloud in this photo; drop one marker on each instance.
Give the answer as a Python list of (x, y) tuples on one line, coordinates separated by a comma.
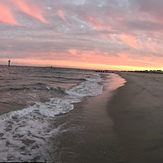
[(144, 25), (152, 8)]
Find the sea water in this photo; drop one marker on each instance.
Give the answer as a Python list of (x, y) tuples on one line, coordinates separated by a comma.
[(32, 98)]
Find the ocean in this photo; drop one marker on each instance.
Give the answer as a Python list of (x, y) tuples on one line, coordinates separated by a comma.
[(32, 102)]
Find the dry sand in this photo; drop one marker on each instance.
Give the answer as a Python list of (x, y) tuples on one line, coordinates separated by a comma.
[(124, 128)]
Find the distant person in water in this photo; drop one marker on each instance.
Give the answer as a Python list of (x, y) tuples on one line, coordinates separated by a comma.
[(9, 63)]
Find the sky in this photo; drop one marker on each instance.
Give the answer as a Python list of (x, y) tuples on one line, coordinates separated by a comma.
[(95, 34)]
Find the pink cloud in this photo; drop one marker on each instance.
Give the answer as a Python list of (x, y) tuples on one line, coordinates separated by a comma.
[(112, 37), (73, 51), (61, 14), (97, 24), (6, 15), (30, 9), (129, 39)]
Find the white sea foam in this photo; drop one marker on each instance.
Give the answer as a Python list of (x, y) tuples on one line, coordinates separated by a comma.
[(91, 87), (25, 133)]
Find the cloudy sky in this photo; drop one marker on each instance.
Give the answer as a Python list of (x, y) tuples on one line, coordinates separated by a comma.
[(102, 34)]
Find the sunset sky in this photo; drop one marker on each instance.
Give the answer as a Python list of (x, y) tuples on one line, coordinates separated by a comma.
[(96, 34)]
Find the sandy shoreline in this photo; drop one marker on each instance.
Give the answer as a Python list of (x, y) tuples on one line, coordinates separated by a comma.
[(124, 128), (137, 113), (90, 137)]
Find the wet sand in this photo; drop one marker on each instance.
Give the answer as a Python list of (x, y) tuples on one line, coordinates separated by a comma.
[(125, 126), (137, 113), (88, 135)]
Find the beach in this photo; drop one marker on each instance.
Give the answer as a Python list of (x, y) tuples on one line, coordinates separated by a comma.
[(137, 113), (124, 126), (90, 136), (57, 115), (88, 117)]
